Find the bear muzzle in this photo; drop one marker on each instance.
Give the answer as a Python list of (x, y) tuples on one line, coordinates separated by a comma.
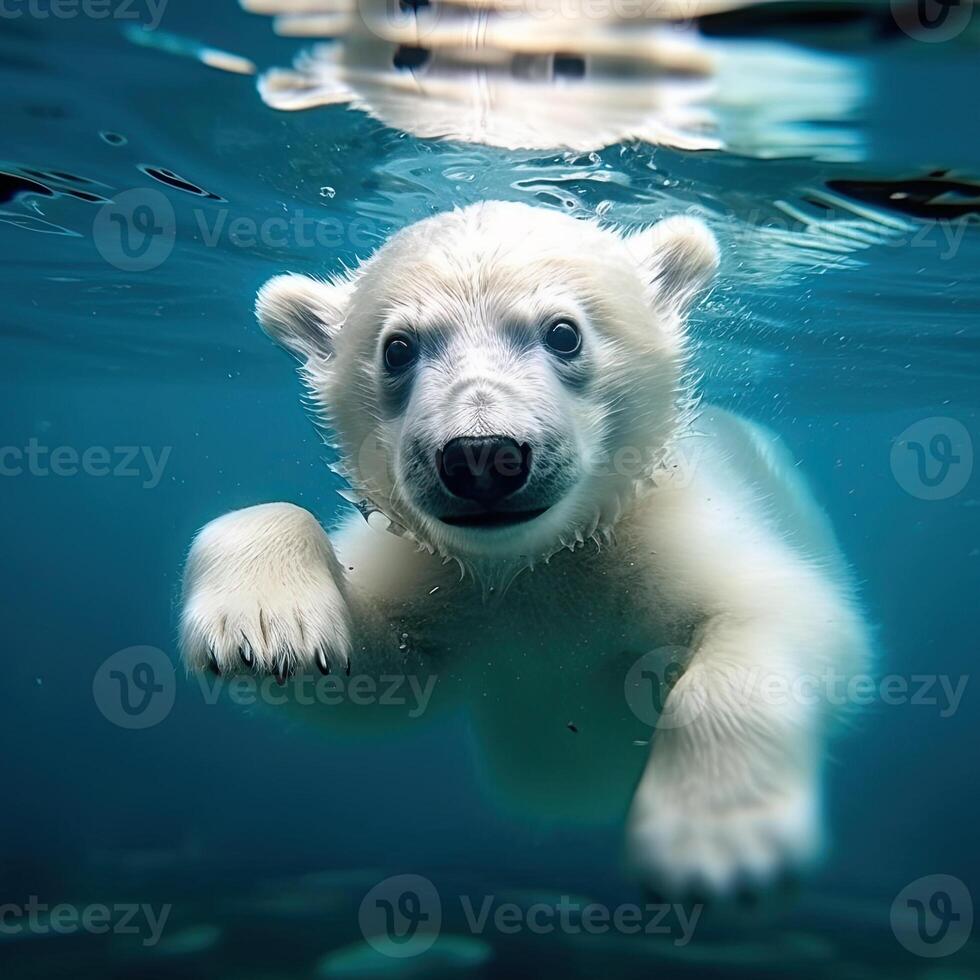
[(487, 471)]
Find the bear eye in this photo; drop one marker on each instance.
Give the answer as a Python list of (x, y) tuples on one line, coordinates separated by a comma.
[(400, 352), (564, 338)]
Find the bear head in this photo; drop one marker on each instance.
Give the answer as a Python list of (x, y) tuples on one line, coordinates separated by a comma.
[(502, 380)]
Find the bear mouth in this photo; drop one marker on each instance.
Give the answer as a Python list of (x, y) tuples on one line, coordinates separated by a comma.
[(493, 518)]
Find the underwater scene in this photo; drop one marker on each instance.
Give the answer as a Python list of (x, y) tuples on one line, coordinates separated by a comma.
[(489, 489)]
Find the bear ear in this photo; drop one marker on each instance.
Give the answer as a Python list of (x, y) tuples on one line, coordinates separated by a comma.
[(303, 314), (679, 256)]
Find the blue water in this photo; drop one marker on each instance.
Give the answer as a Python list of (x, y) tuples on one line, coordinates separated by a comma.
[(264, 833)]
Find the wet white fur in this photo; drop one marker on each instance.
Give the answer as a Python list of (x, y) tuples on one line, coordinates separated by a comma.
[(714, 545)]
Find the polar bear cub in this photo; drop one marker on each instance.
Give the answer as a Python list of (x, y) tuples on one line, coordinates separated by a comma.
[(507, 387)]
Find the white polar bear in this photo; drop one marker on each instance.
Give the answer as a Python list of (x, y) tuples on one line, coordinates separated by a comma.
[(508, 386)]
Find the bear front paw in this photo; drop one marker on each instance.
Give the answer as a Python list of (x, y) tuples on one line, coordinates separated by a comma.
[(713, 846), (264, 591)]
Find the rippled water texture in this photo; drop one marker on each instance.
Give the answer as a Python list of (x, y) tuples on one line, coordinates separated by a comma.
[(93, 115)]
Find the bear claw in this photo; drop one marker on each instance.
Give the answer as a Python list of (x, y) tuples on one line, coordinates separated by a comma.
[(282, 671)]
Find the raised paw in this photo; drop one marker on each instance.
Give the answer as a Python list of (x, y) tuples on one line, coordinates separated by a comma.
[(263, 591)]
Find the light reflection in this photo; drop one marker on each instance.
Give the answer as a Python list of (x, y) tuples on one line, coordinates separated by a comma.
[(566, 74)]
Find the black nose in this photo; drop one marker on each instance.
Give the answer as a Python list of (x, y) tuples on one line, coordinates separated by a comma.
[(485, 470)]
